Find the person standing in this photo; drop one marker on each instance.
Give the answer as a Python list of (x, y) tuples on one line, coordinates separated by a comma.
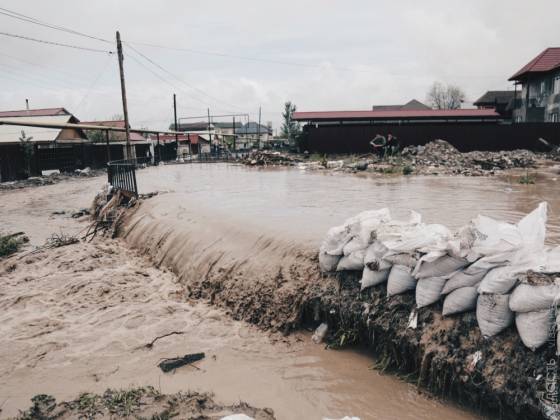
[(392, 144), (379, 144)]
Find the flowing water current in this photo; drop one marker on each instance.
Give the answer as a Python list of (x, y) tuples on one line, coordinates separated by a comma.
[(85, 347)]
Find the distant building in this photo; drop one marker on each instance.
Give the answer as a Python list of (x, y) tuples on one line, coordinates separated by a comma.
[(539, 99), (252, 132), (413, 105), (42, 137), (498, 100), (118, 123)]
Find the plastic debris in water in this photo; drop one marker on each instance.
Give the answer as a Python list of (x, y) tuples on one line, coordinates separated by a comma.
[(320, 333)]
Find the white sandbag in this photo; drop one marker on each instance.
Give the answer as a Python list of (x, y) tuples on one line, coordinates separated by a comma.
[(400, 280), (373, 258), (393, 230), (353, 246), (533, 228), (366, 219), (408, 260), (239, 416), (492, 236), (534, 327), (428, 290), (440, 267), (493, 314), (460, 300), (527, 298), (373, 278), (462, 279), (354, 261), (328, 262), (419, 239), (334, 240), (498, 280)]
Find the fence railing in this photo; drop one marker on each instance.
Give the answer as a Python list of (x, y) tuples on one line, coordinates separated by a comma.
[(122, 175)]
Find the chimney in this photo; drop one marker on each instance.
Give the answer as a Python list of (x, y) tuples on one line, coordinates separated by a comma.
[(27, 106)]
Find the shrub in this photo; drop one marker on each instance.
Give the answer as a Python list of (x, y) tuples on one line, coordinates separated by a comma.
[(527, 179), (9, 244), (407, 170)]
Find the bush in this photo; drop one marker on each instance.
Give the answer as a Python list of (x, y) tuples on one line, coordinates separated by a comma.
[(407, 170), (9, 244), (315, 157), (527, 179), (390, 170)]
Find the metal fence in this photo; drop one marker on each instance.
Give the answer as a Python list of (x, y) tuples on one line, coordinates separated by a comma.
[(61, 158), (122, 175)]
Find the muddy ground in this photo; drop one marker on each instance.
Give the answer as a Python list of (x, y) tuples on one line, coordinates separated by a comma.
[(138, 403), (52, 179)]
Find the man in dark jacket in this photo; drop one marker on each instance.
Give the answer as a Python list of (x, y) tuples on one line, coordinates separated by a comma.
[(392, 145)]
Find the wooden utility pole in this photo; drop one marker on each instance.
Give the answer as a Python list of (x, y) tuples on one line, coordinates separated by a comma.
[(123, 90), (259, 127), (176, 128)]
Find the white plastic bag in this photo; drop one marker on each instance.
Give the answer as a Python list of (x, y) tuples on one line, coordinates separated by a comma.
[(373, 278), (527, 298), (499, 280), (239, 416), (460, 300), (353, 246), (493, 314), (328, 262), (334, 240), (354, 261), (320, 333), (428, 290), (462, 279), (408, 260), (400, 280), (440, 267), (534, 327)]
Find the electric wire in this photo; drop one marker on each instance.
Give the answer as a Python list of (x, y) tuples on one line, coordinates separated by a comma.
[(86, 95), (182, 81), (54, 43), (48, 25)]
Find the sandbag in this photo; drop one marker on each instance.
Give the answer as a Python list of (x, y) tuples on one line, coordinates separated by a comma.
[(400, 280), (498, 280), (462, 279), (440, 267), (373, 278), (527, 298), (460, 300), (408, 260), (354, 261), (493, 314), (334, 240), (373, 258), (534, 327), (328, 262), (424, 237), (352, 246), (428, 290)]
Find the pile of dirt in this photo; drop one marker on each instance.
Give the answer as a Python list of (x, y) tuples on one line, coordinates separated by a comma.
[(52, 179), (441, 153), (138, 403), (269, 158)]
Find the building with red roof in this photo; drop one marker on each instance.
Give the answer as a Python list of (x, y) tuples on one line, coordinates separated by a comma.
[(539, 99)]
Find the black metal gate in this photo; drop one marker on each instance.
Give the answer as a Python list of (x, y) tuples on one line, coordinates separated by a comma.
[(61, 158), (122, 175)]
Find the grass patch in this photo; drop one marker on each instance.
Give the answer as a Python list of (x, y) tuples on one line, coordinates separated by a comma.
[(407, 170), (315, 157), (527, 179), (390, 170), (9, 244)]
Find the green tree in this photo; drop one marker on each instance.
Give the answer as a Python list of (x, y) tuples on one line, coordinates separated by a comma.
[(27, 149), (289, 128)]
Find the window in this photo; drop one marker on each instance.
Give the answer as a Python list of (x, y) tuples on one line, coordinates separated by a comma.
[(556, 85), (552, 117), (517, 119), (543, 88)]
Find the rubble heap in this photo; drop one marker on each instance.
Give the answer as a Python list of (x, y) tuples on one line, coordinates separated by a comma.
[(265, 158), (440, 153)]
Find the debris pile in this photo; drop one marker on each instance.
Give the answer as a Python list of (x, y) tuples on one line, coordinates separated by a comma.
[(440, 153), (52, 179), (269, 158), (502, 271)]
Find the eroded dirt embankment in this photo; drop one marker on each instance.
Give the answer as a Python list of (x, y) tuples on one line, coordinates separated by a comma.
[(274, 281)]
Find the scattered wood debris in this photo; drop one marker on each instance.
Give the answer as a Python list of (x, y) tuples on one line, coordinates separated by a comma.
[(170, 364), (266, 158)]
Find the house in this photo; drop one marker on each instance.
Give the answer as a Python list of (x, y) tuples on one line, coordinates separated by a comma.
[(252, 132), (35, 112), (539, 99), (42, 137), (227, 128), (188, 144), (498, 100), (413, 105), (115, 136)]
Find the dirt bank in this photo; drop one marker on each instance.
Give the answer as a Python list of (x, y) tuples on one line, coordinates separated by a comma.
[(138, 403), (52, 179), (276, 283)]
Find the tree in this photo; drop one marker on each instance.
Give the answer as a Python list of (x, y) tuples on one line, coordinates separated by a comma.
[(289, 128), (27, 150), (98, 136), (442, 96)]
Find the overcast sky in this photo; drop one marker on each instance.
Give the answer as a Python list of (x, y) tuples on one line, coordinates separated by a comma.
[(347, 55)]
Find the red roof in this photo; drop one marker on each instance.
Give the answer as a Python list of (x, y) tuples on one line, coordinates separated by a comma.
[(366, 115), (115, 123), (35, 112), (547, 60), (171, 137)]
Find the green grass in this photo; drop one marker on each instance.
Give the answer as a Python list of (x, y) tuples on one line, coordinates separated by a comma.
[(390, 170), (315, 157), (407, 170), (9, 244), (527, 179)]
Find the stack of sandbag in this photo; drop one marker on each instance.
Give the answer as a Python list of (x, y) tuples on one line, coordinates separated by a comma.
[(376, 269)]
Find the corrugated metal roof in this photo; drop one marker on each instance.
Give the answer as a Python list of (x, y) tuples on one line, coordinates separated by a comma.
[(412, 114), (547, 60), (113, 123), (503, 97), (35, 112), (12, 133)]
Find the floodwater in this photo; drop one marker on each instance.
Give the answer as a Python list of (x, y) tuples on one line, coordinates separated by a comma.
[(72, 323)]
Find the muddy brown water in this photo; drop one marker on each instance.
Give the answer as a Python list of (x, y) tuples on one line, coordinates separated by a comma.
[(87, 350)]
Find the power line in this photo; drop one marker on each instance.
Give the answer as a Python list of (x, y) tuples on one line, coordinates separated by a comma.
[(48, 25), (80, 104), (182, 81), (54, 43), (312, 65)]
